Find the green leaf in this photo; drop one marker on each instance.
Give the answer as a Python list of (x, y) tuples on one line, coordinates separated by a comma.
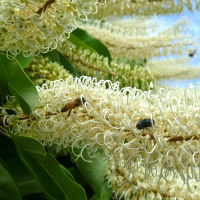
[(8, 188), (81, 39), (19, 84), (66, 63), (56, 56), (77, 175), (23, 61), (3, 83), (94, 197), (54, 182), (53, 56), (93, 171), (106, 192), (25, 181), (67, 172), (30, 145)]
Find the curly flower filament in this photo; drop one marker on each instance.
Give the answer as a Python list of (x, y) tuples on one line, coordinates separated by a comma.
[(107, 121)]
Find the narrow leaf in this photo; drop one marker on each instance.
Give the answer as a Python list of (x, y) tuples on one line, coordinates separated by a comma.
[(25, 181), (23, 61), (19, 84), (78, 43), (54, 182), (8, 188), (66, 63), (3, 83), (53, 56), (66, 171), (93, 171), (82, 39), (30, 145)]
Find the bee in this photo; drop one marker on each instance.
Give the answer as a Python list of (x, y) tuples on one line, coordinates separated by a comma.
[(192, 53), (144, 123), (73, 104)]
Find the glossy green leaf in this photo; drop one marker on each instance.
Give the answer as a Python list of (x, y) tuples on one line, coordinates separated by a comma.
[(79, 43), (8, 188), (30, 145), (53, 56), (54, 182), (66, 63), (77, 175), (66, 171), (82, 39), (25, 181), (24, 61), (19, 84), (93, 171)]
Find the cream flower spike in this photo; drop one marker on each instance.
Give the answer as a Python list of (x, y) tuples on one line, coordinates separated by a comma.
[(154, 131), (134, 44), (95, 65), (32, 27), (133, 186), (178, 68), (41, 70), (145, 8)]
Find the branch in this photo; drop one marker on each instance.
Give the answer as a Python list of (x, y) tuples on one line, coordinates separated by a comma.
[(169, 138), (107, 43), (45, 6)]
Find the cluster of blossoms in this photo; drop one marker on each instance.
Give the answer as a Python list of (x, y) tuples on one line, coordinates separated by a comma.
[(129, 186), (173, 68), (134, 26), (42, 70), (98, 66), (31, 27), (107, 120), (144, 7), (134, 44)]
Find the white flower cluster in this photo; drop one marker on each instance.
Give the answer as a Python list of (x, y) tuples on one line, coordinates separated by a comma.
[(31, 27), (42, 70), (107, 118), (173, 68), (137, 44), (145, 7), (131, 186), (95, 65)]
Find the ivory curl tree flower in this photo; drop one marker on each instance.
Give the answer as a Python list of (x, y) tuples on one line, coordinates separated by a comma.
[(79, 116), (32, 27), (138, 43), (107, 120)]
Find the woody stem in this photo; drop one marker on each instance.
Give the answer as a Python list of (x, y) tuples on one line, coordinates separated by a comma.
[(45, 6)]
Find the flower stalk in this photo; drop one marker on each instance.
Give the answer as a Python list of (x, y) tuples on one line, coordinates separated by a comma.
[(45, 6)]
